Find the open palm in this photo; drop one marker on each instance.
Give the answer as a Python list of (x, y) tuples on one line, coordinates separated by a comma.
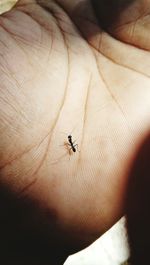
[(60, 74)]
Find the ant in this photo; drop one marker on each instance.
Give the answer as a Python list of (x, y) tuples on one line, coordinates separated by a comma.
[(71, 144)]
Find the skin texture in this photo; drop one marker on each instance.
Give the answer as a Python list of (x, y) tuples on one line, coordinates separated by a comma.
[(61, 74)]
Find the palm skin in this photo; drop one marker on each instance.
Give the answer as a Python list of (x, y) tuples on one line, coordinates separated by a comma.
[(60, 74)]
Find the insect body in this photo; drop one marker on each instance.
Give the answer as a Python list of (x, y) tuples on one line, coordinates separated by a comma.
[(71, 144)]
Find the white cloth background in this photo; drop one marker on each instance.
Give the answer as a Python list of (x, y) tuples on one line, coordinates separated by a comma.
[(110, 249)]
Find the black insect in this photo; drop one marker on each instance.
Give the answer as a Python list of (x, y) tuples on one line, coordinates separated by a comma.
[(71, 144)]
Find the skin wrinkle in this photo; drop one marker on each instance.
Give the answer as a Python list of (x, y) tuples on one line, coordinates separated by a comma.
[(27, 187), (59, 112), (106, 85), (22, 114), (67, 33), (4, 45), (12, 36), (110, 33), (29, 14), (47, 29), (50, 50), (132, 22), (12, 107), (12, 76), (108, 57), (57, 19), (124, 66), (100, 42), (146, 13), (65, 41), (111, 94), (133, 30), (62, 31), (50, 134), (51, 47), (86, 101), (43, 25), (23, 190), (96, 25), (85, 115), (6, 89), (53, 127), (18, 156), (26, 3), (111, 59), (45, 6), (18, 86), (25, 152)]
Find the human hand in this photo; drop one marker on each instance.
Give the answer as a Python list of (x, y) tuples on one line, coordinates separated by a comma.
[(61, 74)]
